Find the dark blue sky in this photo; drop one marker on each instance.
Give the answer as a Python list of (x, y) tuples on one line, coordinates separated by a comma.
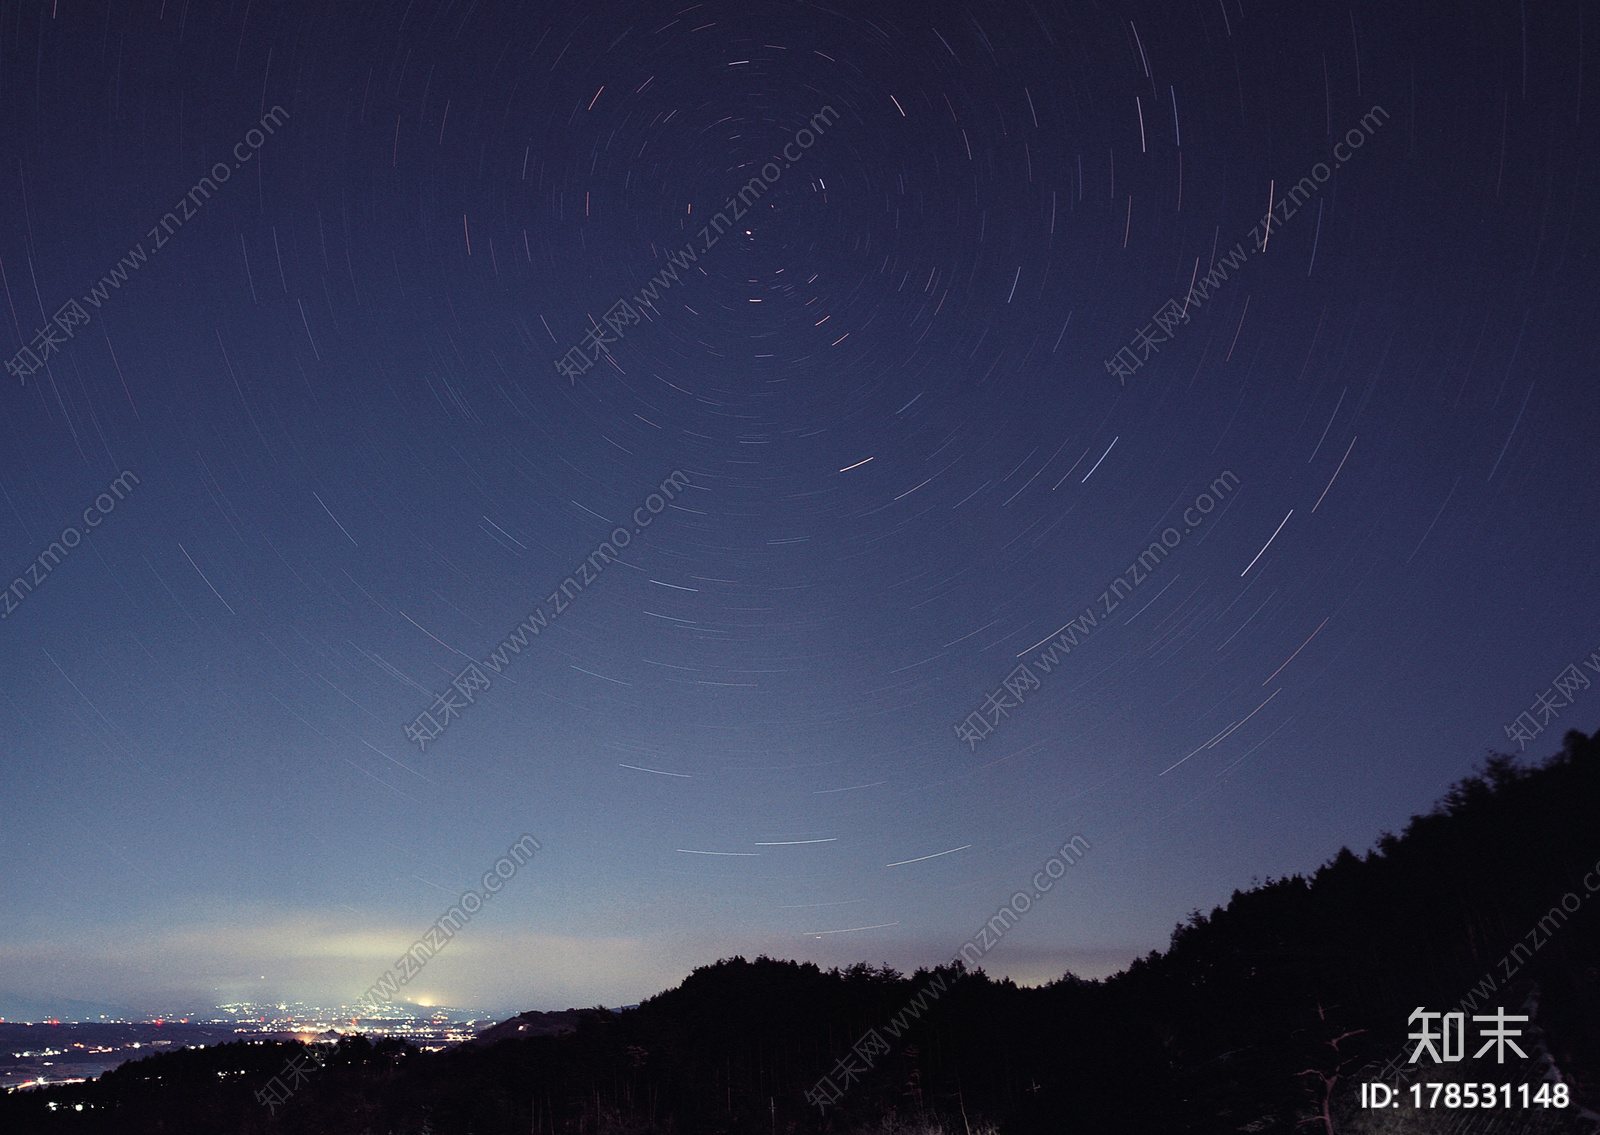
[(355, 469)]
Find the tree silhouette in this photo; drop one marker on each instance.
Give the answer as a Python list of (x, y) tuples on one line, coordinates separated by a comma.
[(1232, 1027)]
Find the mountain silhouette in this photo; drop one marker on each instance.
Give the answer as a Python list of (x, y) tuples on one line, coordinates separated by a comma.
[(1264, 1015)]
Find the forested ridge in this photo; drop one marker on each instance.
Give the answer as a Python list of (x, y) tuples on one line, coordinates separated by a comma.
[(1227, 1029)]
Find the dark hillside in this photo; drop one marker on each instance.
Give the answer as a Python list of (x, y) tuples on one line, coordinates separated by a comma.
[(1486, 901)]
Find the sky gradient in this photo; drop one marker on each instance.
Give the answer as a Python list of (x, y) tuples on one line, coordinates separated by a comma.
[(356, 468)]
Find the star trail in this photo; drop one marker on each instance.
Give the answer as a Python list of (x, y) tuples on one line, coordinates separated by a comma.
[(943, 324)]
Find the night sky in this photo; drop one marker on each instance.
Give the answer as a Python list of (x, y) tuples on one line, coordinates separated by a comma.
[(355, 467)]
